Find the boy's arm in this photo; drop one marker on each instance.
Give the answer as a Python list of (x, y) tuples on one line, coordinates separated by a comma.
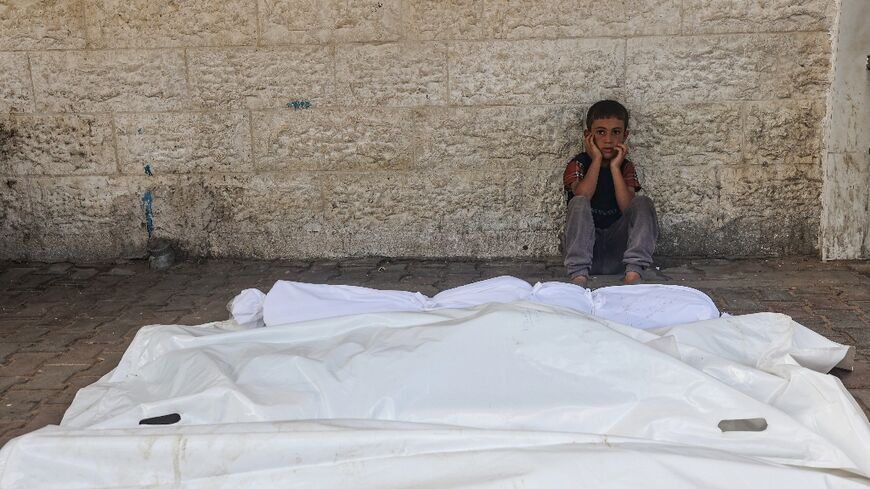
[(586, 186), (624, 193)]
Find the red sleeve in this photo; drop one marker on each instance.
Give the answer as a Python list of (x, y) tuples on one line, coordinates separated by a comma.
[(574, 172), (629, 174)]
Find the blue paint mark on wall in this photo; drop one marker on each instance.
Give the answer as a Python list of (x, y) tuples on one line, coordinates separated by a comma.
[(147, 200), (148, 171), (299, 104)]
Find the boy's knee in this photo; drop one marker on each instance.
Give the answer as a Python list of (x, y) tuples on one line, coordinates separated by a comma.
[(579, 202), (641, 203), (579, 207)]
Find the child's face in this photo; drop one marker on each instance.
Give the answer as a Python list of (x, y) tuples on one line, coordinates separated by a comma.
[(607, 133)]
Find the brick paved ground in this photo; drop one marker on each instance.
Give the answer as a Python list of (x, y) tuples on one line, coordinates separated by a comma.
[(63, 326)]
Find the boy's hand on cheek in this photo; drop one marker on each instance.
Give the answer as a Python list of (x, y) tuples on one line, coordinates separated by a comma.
[(621, 150), (591, 148)]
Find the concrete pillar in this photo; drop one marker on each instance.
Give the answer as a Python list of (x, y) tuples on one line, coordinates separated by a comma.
[(845, 220)]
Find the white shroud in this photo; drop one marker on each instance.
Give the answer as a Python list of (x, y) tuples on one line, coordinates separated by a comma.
[(516, 394)]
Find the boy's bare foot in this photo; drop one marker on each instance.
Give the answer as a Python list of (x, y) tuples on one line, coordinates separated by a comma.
[(631, 278), (580, 280)]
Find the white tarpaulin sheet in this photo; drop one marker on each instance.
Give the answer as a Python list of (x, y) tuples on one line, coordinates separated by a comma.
[(507, 393)]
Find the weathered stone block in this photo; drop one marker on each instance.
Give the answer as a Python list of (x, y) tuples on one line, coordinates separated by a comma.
[(445, 241), (439, 19), (672, 135), (97, 81), (566, 71), (783, 132), (368, 20), (42, 24), (184, 142), (310, 21), (333, 139), (296, 21), (260, 78), (280, 214), (87, 218), (501, 139), (281, 241), (16, 218), (278, 200), (430, 202), (405, 74), (769, 210), (692, 235), (385, 200), (765, 190), (581, 18), (719, 68), (187, 209), (746, 237), (57, 145), (167, 23), (686, 199), (720, 16), (16, 94), (687, 191)]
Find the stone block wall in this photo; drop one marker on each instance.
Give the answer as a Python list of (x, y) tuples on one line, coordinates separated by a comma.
[(323, 128)]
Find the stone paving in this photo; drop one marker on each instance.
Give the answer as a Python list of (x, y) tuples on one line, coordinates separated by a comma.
[(62, 326)]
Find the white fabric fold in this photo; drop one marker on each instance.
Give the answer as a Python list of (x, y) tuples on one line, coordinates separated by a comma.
[(247, 308), (376, 454)]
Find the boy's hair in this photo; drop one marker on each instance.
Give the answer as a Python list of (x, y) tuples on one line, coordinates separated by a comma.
[(605, 109)]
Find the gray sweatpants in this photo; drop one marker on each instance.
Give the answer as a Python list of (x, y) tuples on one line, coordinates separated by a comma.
[(628, 244)]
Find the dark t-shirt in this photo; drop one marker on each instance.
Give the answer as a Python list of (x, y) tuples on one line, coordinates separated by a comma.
[(605, 210)]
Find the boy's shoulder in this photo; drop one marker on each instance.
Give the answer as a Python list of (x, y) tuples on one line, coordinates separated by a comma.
[(582, 158)]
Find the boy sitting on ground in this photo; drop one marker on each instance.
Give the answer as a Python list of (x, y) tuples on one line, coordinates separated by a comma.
[(609, 229)]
